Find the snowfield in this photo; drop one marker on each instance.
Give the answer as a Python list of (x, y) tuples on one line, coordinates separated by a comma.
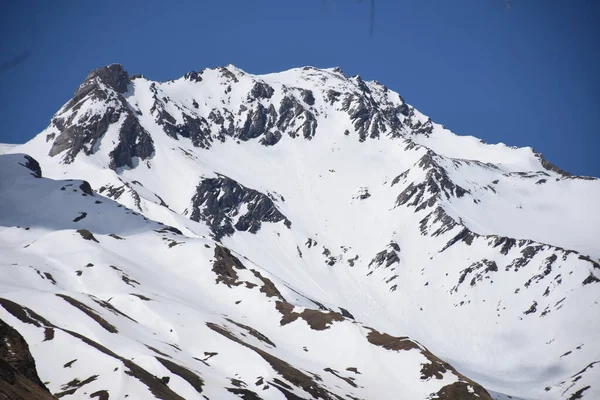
[(301, 234)]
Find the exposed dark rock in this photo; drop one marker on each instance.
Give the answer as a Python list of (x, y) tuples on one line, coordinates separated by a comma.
[(590, 279), (364, 115), (270, 138), (309, 127), (404, 109), (333, 96), (193, 76), (308, 97), (310, 243), (420, 128), (197, 130), (170, 229), (436, 368), (18, 375), (141, 296), (362, 85), (100, 394), (24, 314), (364, 194), (547, 265), (86, 188), (244, 394), (156, 387), (106, 305), (72, 386), (372, 118), (254, 333), (225, 120), (89, 312), (287, 371), (506, 243), (351, 261), (261, 90), (595, 265), (153, 383), (293, 115), (437, 217), (390, 115), (532, 309), (228, 74), (81, 216), (587, 367), (389, 342), (465, 235), (113, 76), (346, 313), (316, 319), (349, 381), (225, 265), (579, 393), (87, 235), (187, 375), (437, 183), (277, 384), (112, 192), (268, 286), (526, 255), (481, 269), (340, 71), (388, 256), (258, 122), (218, 200), (193, 127), (49, 276), (549, 166), (83, 135), (125, 278), (134, 141), (462, 390), (83, 131), (32, 165)]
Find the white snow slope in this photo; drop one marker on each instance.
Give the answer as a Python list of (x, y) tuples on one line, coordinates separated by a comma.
[(313, 212)]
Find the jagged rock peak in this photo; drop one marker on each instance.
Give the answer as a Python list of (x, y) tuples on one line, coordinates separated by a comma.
[(113, 75)]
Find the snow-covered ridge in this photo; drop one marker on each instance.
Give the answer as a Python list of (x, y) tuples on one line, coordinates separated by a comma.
[(348, 196), (110, 119)]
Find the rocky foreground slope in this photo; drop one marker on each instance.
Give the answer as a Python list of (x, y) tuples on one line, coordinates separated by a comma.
[(294, 235)]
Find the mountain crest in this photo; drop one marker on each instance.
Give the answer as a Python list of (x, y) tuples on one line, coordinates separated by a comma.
[(307, 213), (113, 75)]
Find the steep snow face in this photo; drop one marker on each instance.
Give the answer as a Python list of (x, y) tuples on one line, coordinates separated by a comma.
[(348, 196)]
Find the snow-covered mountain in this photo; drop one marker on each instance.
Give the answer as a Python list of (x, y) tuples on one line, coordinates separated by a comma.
[(302, 234)]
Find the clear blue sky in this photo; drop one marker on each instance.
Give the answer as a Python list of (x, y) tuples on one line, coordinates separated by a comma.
[(528, 76)]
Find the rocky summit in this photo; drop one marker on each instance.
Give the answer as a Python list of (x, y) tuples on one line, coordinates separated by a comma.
[(295, 235)]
